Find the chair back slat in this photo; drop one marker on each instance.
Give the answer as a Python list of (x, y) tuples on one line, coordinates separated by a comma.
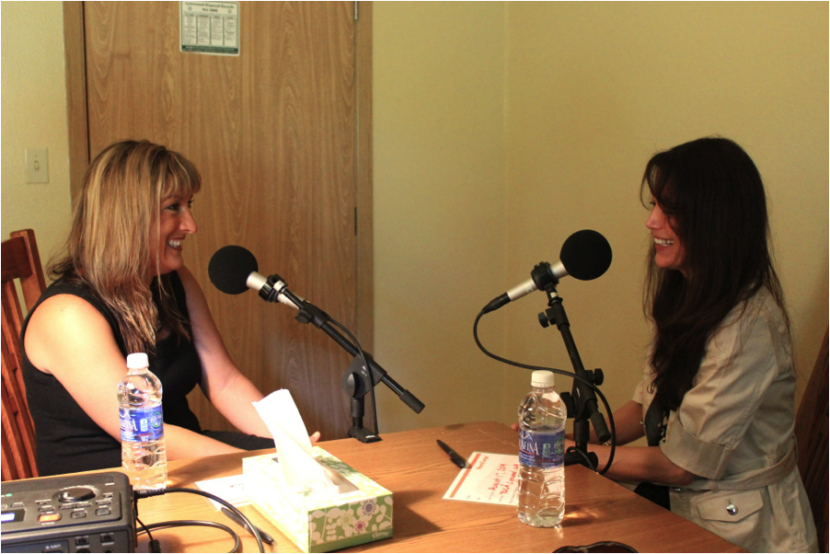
[(15, 466), (811, 429), (20, 267), (34, 283)]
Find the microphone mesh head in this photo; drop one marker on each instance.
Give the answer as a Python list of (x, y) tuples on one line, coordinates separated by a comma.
[(586, 255), (230, 267)]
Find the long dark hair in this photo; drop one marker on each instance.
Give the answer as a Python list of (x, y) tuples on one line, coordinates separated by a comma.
[(711, 192)]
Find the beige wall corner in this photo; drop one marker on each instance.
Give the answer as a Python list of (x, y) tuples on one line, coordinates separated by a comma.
[(34, 116)]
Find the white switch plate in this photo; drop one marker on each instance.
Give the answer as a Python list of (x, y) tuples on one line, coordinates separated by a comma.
[(37, 165)]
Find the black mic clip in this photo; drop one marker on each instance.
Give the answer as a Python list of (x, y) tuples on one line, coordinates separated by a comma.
[(308, 312), (268, 292), (544, 278)]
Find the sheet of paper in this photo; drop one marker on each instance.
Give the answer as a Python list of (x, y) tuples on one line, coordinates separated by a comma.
[(489, 478), (231, 489)]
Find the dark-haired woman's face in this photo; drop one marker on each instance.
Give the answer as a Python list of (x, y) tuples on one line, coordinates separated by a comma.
[(670, 253)]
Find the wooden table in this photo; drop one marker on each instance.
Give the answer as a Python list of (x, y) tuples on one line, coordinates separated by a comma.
[(411, 465)]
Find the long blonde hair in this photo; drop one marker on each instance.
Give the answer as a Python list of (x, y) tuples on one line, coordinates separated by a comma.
[(109, 248)]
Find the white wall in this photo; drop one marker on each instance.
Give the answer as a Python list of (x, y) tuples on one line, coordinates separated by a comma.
[(595, 89), (591, 91), (34, 116), (438, 205)]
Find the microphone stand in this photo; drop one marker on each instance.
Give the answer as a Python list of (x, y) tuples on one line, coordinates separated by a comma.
[(582, 403), (357, 381)]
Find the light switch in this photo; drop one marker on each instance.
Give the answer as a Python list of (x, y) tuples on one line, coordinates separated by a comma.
[(37, 165)]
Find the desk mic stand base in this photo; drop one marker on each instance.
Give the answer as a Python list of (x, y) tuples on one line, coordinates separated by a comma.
[(363, 435), (573, 458)]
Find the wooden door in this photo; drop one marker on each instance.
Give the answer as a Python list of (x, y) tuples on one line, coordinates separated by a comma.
[(273, 132)]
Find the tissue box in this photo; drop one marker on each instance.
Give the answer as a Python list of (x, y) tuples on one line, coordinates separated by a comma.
[(320, 522)]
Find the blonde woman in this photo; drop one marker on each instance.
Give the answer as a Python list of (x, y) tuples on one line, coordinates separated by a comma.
[(122, 287)]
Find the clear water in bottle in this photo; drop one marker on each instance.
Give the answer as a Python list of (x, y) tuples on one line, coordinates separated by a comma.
[(143, 455), (542, 418)]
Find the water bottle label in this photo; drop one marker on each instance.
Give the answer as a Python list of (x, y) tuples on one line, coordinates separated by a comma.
[(142, 424), (542, 448)]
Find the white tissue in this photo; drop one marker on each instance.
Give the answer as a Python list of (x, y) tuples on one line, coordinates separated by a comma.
[(301, 469)]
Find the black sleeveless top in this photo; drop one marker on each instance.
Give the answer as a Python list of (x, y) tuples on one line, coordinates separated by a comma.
[(68, 440)]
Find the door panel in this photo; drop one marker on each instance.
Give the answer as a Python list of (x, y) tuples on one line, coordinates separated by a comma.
[(273, 133)]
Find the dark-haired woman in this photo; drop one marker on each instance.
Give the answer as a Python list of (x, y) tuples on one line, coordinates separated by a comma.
[(716, 402)]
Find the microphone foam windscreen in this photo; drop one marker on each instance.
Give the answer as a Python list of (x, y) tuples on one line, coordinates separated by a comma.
[(230, 267), (586, 255)]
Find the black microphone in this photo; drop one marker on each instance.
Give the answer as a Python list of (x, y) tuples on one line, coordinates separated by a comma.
[(233, 270), (585, 255)]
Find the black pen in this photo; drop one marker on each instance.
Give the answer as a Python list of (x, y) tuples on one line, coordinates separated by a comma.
[(266, 538), (454, 456)]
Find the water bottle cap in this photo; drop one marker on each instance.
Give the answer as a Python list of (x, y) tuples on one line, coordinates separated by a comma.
[(137, 361), (542, 379)]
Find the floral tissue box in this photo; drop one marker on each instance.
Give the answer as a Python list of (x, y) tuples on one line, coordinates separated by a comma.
[(318, 522)]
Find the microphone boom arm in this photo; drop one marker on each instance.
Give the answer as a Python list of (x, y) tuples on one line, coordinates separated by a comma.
[(309, 313)]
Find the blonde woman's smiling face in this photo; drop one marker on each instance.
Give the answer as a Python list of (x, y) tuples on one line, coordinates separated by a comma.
[(175, 223)]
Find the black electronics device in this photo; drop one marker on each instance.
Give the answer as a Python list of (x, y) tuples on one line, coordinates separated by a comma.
[(78, 513)]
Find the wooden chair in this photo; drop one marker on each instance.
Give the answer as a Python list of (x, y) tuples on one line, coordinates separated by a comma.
[(811, 428), (20, 262)]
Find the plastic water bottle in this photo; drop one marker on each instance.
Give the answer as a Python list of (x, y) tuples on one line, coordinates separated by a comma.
[(143, 455), (542, 418)]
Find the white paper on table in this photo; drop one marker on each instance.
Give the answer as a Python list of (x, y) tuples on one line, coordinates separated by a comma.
[(230, 489), (489, 478), (280, 414)]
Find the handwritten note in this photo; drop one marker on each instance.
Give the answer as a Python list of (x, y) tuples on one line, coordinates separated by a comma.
[(489, 478)]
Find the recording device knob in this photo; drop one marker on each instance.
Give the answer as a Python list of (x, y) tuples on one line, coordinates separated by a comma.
[(76, 494)]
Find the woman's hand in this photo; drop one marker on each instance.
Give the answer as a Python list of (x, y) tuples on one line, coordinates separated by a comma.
[(314, 437)]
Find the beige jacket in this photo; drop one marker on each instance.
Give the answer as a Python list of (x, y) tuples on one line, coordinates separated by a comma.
[(734, 431)]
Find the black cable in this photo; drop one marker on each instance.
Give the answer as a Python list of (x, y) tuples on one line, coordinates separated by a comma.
[(560, 372), (153, 543), (368, 369), (194, 523), (155, 546), (158, 492)]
